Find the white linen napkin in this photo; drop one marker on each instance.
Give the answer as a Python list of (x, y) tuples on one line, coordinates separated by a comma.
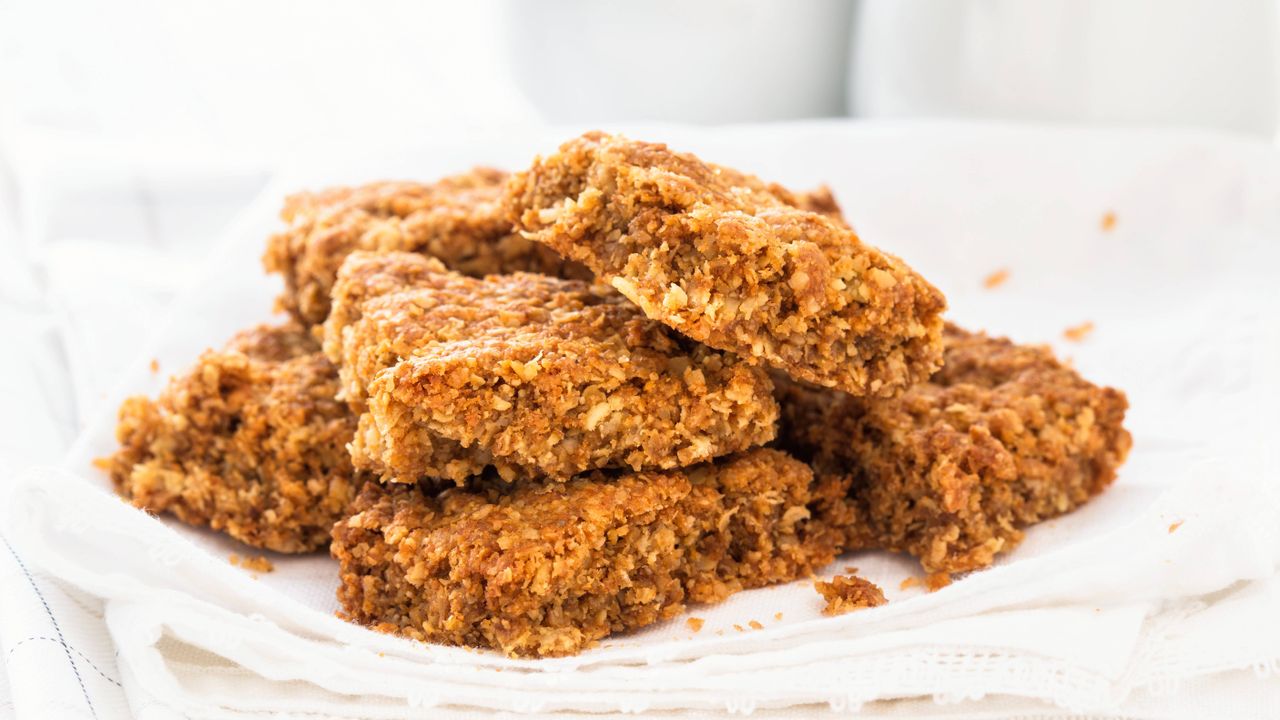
[(1169, 580)]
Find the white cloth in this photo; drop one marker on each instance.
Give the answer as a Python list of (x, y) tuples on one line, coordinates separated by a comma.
[(1155, 600)]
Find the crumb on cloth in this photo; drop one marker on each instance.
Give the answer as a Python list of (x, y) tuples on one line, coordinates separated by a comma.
[(695, 623), (1076, 333), (1108, 221), (155, 366), (996, 279), (931, 582), (755, 625), (846, 593), (1173, 527), (257, 563)]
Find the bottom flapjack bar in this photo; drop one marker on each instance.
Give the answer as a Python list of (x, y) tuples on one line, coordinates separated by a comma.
[(544, 569)]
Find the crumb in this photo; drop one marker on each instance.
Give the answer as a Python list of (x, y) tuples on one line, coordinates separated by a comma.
[(755, 625), (1002, 437), (1108, 221), (250, 442), (850, 570), (739, 628), (536, 376), (155, 366), (258, 563), (695, 623), (720, 633), (1076, 333), (717, 255), (996, 279), (567, 552), (848, 593), (1174, 526), (936, 581), (909, 583), (777, 616)]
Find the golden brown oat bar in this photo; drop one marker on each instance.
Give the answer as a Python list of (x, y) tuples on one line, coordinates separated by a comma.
[(457, 220), (542, 569), (1002, 437), (718, 256), (250, 442), (537, 376), (846, 593)]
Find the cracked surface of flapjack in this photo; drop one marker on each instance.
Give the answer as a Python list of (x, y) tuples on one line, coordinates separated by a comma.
[(533, 375), (718, 256)]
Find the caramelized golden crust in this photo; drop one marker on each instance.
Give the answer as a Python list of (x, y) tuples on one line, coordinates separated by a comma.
[(846, 593), (250, 442), (537, 376), (1002, 437), (724, 259), (457, 220), (819, 200), (543, 569)]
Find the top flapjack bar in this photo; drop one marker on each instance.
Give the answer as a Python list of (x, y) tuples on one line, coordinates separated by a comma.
[(716, 255), (456, 220), (952, 471), (537, 376)]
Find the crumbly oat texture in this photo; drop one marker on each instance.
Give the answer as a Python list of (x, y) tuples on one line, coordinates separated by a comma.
[(457, 220), (543, 569), (719, 256), (254, 563), (250, 442), (1002, 437), (534, 375), (846, 593)]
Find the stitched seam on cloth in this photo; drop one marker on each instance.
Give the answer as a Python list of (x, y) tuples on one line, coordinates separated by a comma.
[(1066, 688), (157, 703), (56, 627), (1162, 675), (79, 652)]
